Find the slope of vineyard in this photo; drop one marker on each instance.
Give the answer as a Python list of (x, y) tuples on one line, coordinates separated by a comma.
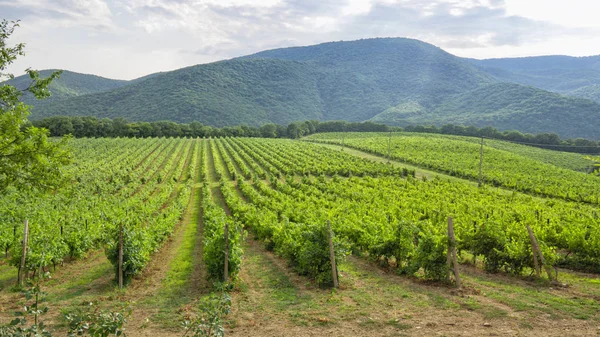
[(141, 189), (567, 160), (366, 210), (147, 196), (459, 156), (284, 193)]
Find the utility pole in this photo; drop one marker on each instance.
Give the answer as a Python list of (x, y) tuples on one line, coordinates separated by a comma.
[(481, 164)]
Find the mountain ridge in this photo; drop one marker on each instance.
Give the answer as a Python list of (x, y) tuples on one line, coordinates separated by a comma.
[(381, 79)]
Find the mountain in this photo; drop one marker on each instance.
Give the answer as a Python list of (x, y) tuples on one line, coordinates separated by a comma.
[(590, 92), (359, 79), (389, 80), (223, 93), (343, 80), (561, 74), (509, 106), (524, 64), (70, 84)]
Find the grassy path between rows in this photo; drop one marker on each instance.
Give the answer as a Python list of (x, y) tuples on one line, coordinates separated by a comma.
[(172, 279), (271, 299), (419, 172)]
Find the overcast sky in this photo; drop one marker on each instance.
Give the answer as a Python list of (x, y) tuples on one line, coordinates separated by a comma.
[(125, 39)]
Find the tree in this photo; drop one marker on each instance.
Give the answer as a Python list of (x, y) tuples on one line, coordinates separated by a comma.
[(297, 130), (196, 129), (28, 158), (119, 127), (268, 131)]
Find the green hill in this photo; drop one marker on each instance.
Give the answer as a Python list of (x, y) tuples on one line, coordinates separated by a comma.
[(554, 73), (509, 106), (70, 84), (590, 92), (516, 167), (389, 80), (344, 80), (359, 79), (223, 93)]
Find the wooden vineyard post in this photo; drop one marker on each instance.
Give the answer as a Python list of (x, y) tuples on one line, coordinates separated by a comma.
[(14, 237), (332, 257), (120, 267), (226, 271), (24, 254), (538, 261), (536, 264), (473, 248), (451, 257), (481, 164), (389, 146)]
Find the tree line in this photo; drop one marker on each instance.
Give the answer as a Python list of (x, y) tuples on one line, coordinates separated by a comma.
[(120, 127), (542, 140)]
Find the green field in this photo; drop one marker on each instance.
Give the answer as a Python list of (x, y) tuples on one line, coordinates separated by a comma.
[(173, 198), (515, 167)]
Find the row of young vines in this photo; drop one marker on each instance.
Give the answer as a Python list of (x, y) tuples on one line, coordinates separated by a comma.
[(285, 192), (379, 211), (131, 187), (516, 167)]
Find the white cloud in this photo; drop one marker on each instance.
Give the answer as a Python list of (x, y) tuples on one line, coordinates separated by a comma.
[(66, 13), (131, 38), (243, 3), (356, 7), (571, 13), (456, 12), (567, 45)]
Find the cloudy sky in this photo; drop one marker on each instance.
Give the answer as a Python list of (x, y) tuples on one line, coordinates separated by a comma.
[(126, 39)]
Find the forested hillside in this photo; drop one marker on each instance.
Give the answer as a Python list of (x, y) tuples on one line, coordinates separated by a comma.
[(511, 106), (350, 81), (360, 79), (395, 81), (70, 84), (590, 92), (554, 73), (233, 92)]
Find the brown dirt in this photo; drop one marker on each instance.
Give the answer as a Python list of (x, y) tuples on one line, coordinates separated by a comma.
[(420, 322), (364, 305)]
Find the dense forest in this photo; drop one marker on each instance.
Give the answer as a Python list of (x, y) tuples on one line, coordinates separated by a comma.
[(120, 127), (70, 84), (508, 106), (556, 73), (590, 92), (393, 81)]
